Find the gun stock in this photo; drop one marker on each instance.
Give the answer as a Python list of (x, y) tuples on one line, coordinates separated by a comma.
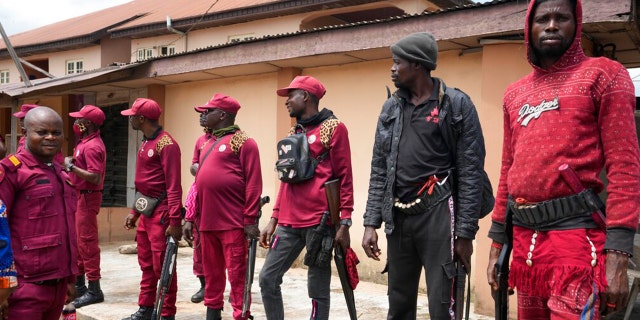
[(332, 190), (251, 264)]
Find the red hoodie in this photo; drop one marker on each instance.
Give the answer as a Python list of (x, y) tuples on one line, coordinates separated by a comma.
[(580, 111)]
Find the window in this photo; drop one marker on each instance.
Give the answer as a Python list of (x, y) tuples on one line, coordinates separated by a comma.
[(116, 141), (145, 53), (167, 50), (4, 76), (241, 37), (75, 66)]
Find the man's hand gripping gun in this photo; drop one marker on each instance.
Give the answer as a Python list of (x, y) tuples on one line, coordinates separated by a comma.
[(251, 265)]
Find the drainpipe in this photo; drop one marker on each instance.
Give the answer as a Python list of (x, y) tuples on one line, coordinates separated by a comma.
[(174, 30), (14, 56)]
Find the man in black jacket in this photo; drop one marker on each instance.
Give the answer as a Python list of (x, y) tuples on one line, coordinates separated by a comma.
[(426, 178)]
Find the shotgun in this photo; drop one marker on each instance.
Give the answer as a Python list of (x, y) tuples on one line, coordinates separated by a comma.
[(168, 269), (502, 273), (332, 190), (461, 276), (251, 264)]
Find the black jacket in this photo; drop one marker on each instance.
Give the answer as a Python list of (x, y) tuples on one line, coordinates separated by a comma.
[(460, 126)]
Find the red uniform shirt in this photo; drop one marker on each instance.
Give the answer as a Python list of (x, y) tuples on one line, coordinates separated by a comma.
[(229, 183), (41, 205), (158, 171), (91, 155), (303, 204)]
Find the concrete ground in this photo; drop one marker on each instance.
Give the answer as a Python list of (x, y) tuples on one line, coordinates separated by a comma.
[(121, 279)]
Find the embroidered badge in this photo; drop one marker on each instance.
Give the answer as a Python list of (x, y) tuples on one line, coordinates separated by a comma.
[(141, 204), (150, 153), (528, 112), (312, 139)]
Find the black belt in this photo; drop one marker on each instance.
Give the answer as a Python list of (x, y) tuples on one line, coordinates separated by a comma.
[(546, 213), (425, 201), (50, 282), (89, 191)]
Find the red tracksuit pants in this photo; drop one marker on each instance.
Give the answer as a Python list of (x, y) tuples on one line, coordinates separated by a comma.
[(224, 250), (152, 244), (87, 230)]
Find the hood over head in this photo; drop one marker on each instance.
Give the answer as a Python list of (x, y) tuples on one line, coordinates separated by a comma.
[(573, 54)]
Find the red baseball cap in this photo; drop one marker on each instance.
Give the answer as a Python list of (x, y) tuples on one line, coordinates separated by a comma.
[(222, 102), (144, 107), (306, 83), (91, 113), (24, 109)]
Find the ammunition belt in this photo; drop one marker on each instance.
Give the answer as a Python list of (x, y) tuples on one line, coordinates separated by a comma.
[(543, 214)]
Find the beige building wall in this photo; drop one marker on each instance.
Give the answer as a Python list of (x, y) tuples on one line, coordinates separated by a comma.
[(8, 65), (355, 92)]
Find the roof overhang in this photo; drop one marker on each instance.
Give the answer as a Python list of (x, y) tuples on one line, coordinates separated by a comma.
[(70, 82), (605, 22)]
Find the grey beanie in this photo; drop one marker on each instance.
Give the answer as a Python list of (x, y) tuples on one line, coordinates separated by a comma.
[(420, 47)]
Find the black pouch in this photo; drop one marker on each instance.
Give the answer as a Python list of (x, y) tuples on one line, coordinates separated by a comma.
[(319, 244), (146, 205)]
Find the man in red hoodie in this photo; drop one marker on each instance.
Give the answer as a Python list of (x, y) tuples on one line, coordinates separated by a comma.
[(577, 111)]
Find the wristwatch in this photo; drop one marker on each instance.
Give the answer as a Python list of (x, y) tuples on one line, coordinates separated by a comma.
[(69, 167), (345, 222)]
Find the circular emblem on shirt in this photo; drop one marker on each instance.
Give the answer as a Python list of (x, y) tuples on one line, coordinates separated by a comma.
[(312, 138), (150, 153), (141, 204), (222, 148), (77, 153)]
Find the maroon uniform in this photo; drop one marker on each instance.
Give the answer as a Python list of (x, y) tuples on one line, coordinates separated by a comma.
[(157, 172), (40, 203), (305, 203), (230, 177), (89, 154)]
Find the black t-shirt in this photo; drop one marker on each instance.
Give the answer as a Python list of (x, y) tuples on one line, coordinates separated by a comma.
[(422, 151)]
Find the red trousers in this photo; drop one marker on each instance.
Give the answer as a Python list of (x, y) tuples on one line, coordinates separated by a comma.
[(37, 302), (87, 230), (152, 244), (224, 250)]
